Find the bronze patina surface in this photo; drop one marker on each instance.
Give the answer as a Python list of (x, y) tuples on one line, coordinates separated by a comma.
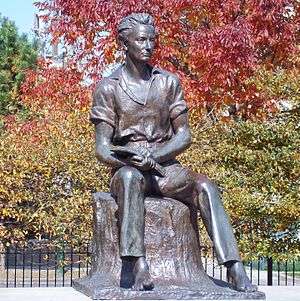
[(141, 122)]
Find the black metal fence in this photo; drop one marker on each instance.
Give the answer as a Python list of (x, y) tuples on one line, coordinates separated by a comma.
[(45, 266), (48, 267)]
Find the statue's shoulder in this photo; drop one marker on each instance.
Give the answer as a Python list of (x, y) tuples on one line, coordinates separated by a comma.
[(171, 77), (103, 87), (108, 83)]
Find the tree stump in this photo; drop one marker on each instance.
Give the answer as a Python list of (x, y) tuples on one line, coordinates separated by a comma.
[(173, 254)]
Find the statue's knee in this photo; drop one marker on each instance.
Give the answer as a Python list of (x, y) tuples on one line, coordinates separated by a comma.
[(129, 174), (208, 188)]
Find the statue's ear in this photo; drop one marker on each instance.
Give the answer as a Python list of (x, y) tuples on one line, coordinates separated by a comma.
[(122, 42)]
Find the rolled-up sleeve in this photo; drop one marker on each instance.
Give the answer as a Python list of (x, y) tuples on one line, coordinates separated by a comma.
[(177, 103), (103, 105)]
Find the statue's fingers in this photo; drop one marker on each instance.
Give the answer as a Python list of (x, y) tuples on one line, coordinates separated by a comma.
[(149, 163), (152, 163), (136, 163), (137, 158)]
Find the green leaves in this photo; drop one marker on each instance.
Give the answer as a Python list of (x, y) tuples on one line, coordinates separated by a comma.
[(16, 55), (256, 165)]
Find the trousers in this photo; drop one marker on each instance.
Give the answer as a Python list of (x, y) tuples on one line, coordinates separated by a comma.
[(130, 186)]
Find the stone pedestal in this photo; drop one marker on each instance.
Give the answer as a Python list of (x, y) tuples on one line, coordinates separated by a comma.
[(173, 254)]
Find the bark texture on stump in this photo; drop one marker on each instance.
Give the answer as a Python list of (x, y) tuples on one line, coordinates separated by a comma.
[(173, 254), (173, 250)]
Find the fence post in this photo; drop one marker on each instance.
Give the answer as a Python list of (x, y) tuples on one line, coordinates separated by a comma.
[(2, 257), (270, 270)]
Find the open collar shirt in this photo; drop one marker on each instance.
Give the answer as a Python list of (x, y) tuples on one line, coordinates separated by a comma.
[(145, 119)]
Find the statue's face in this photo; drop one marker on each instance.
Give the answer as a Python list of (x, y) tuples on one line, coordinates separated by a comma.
[(140, 43)]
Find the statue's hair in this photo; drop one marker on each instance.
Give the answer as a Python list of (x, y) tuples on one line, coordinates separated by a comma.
[(129, 22)]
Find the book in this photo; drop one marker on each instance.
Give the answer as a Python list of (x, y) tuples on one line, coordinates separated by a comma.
[(125, 152)]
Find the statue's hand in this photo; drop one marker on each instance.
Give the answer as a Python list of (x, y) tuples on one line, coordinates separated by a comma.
[(142, 163)]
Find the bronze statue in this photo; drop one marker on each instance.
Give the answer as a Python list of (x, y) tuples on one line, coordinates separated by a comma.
[(141, 122)]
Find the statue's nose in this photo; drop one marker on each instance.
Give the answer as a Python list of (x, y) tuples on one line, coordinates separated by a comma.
[(148, 45)]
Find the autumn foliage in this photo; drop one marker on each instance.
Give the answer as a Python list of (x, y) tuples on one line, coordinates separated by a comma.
[(225, 52), (215, 46), (54, 88), (48, 168)]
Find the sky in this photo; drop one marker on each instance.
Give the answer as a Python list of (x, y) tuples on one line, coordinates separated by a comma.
[(21, 12)]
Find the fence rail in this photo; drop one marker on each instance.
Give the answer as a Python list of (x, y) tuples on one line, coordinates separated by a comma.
[(45, 267)]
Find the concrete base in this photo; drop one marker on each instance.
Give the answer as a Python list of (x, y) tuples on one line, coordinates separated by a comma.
[(98, 287), (273, 293)]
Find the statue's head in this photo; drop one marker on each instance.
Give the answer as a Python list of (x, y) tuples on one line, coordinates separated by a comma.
[(136, 33)]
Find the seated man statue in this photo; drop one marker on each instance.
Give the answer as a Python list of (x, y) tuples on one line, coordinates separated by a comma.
[(141, 107)]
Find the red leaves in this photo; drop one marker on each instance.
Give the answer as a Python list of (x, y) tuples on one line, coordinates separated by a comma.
[(49, 88), (52, 95), (214, 45)]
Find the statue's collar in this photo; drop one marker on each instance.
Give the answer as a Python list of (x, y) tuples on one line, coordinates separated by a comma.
[(118, 74)]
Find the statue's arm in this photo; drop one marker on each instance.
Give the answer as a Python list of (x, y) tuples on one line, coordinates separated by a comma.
[(181, 138), (103, 116), (104, 134), (180, 141)]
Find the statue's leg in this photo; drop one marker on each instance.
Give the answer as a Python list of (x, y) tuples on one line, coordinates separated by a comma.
[(128, 186), (216, 220), (197, 190), (220, 231)]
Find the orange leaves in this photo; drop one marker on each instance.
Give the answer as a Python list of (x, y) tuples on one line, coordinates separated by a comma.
[(50, 94), (215, 46), (49, 89)]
